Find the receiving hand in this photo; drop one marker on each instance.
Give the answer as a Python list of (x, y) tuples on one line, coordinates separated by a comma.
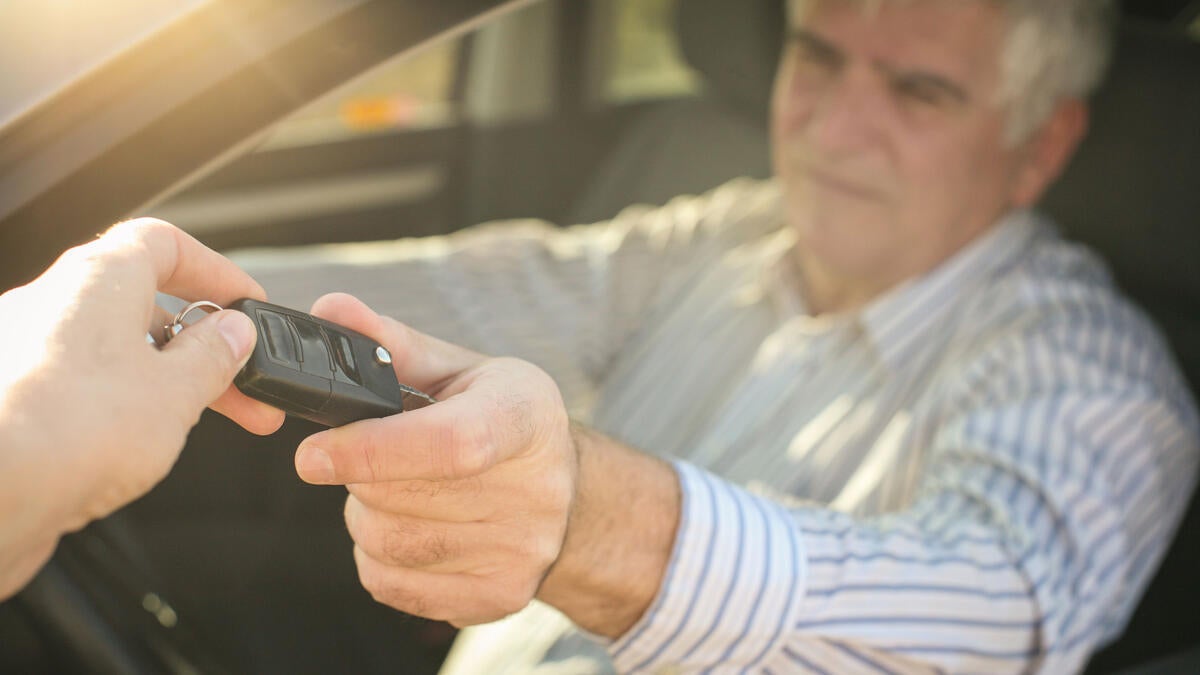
[(457, 510)]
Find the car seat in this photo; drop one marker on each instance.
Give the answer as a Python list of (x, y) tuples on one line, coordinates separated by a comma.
[(1129, 194)]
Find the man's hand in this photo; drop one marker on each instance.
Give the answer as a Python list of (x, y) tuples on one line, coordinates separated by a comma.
[(457, 510), (91, 416)]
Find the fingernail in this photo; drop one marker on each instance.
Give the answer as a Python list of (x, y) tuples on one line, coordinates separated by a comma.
[(314, 465), (238, 332)]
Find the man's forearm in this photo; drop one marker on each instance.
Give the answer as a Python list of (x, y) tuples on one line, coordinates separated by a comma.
[(620, 536)]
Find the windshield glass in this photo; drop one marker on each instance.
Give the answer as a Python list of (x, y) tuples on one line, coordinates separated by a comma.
[(44, 44)]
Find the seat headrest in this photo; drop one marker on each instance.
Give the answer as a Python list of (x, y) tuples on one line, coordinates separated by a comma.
[(734, 45), (1131, 194)]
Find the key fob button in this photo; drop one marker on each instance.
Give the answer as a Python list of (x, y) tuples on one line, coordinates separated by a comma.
[(276, 333), (344, 367), (314, 354)]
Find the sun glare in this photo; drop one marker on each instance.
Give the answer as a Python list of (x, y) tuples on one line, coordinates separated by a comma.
[(47, 43)]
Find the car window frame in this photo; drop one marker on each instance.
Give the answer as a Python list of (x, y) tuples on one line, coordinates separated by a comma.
[(158, 116)]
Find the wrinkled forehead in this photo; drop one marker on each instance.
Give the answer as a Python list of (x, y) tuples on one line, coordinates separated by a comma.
[(798, 10), (958, 40)]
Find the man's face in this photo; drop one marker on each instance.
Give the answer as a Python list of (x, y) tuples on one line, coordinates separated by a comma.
[(888, 135)]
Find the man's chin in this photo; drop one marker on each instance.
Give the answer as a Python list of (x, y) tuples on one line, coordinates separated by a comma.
[(846, 246)]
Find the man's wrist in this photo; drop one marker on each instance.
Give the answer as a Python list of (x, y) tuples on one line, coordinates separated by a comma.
[(37, 457), (26, 459), (619, 537)]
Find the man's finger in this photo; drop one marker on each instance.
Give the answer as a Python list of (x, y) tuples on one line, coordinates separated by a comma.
[(460, 501), (450, 440), (201, 362), (420, 360), (458, 598), (410, 541), (253, 416), (182, 266)]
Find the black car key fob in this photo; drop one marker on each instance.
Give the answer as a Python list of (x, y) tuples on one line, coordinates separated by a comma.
[(318, 370)]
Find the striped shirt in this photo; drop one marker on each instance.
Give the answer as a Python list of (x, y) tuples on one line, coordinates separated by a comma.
[(979, 471)]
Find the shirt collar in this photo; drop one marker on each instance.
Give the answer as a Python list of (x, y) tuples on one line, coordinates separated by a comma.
[(896, 321)]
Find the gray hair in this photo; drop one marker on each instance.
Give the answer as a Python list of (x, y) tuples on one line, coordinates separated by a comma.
[(1053, 50)]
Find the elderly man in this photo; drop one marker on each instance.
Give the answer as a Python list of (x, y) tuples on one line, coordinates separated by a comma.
[(873, 415)]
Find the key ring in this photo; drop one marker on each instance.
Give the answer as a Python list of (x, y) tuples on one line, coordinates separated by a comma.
[(174, 328)]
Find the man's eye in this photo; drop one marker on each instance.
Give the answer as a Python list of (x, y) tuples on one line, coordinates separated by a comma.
[(813, 58), (924, 93), (818, 59)]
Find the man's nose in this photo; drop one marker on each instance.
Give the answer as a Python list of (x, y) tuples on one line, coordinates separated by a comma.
[(845, 117)]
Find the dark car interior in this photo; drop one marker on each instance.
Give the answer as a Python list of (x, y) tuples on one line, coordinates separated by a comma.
[(233, 565)]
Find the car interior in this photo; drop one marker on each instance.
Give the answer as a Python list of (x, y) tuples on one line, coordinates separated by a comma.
[(233, 565)]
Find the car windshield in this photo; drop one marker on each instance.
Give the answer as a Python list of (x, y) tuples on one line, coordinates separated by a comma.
[(45, 45)]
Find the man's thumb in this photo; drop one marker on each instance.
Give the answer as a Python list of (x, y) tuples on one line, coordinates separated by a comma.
[(420, 360), (207, 355)]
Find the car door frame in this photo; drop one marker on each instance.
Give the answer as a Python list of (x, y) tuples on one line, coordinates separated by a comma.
[(166, 111)]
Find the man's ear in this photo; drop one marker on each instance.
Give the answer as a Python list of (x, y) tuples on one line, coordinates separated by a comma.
[(1046, 154)]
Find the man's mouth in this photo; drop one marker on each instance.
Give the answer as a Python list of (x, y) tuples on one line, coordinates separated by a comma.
[(840, 184)]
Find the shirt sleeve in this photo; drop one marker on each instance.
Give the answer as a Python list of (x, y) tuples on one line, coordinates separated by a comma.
[(1047, 500), (563, 298)]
